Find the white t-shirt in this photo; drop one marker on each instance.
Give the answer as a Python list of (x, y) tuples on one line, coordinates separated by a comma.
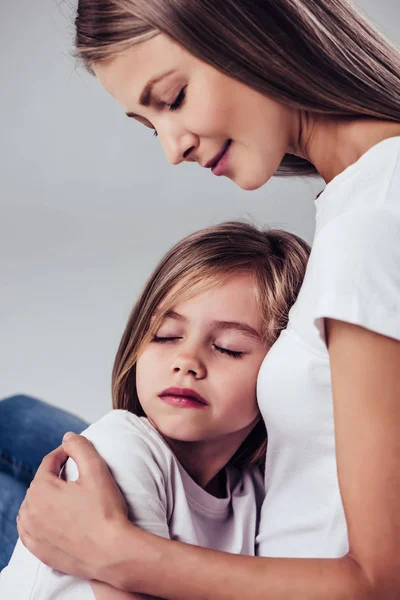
[(354, 276), (162, 498)]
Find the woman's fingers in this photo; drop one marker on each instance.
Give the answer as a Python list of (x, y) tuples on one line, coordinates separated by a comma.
[(89, 462), (66, 522), (52, 464)]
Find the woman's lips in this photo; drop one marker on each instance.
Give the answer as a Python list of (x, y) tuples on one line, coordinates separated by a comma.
[(221, 165), (183, 398)]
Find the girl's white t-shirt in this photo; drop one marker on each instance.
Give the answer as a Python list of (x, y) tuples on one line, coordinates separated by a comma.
[(162, 498), (353, 275)]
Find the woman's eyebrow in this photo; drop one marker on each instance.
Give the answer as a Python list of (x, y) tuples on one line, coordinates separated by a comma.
[(145, 96)]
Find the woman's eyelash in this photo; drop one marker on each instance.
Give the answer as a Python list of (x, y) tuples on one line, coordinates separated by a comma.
[(232, 353), (176, 104), (179, 100)]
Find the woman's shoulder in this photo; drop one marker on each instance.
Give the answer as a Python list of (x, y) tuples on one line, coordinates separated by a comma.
[(370, 184), (354, 270)]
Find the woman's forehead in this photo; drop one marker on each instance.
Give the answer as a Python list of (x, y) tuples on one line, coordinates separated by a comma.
[(126, 74)]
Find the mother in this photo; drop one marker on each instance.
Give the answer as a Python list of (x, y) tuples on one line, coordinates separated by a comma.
[(248, 88)]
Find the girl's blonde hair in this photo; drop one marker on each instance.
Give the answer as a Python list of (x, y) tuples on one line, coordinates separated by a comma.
[(318, 56), (276, 259)]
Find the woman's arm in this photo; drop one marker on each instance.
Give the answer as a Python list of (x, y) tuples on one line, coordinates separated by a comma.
[(104, 591), (366, 388)]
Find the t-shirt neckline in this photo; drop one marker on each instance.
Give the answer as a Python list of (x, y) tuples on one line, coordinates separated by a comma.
[(363, 161)]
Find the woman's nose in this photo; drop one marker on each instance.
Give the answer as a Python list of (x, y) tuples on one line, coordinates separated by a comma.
[(178, 147)]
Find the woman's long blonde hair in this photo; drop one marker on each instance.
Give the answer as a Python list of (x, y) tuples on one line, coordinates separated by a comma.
[(319, 56), (276, 259)]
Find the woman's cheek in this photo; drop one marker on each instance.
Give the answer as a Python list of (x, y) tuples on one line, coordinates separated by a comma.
[(205, 116)]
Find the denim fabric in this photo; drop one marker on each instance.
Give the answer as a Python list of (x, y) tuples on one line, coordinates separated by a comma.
[(12, 493), (29, 429)]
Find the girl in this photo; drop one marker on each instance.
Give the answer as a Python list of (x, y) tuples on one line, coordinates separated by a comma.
[(249, 88), (186, 442)]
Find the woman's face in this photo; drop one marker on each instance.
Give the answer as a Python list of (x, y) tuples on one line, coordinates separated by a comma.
[(199, 113), (196, 379)]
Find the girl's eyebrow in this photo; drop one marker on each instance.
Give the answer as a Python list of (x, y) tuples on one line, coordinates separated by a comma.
[(224, 325), (238, 326), (145, 96)]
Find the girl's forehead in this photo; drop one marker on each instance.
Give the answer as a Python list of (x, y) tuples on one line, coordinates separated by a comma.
[(228, 296)]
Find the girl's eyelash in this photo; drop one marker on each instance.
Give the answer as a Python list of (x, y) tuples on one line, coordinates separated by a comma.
[(163, 340), (179, 100), (155, 133), (232, 353)]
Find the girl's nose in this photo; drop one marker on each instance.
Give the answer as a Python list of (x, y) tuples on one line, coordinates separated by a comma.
[(189, 365)]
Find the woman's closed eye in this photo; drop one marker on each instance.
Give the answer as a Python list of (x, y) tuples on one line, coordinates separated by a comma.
[(177, 103), (178, 100)]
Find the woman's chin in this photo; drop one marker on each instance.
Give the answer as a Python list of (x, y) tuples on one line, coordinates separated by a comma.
[(254, 179), (250, 184)]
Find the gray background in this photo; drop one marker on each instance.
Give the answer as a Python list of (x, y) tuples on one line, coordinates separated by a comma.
[(88, 204)]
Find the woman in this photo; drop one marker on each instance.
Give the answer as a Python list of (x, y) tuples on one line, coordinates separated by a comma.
[(249, 88)]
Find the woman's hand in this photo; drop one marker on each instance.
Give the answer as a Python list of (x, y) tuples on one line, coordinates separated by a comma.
[(73, 526)]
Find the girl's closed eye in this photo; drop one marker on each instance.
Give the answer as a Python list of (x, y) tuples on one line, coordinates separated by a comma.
[(162, 339), (232, 353)]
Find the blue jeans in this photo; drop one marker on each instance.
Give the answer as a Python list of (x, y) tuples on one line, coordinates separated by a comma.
[(29, 429)]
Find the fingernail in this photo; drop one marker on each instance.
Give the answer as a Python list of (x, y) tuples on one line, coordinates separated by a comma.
[(67, 436)]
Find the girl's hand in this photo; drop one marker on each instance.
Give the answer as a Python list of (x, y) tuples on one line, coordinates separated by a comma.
[(73, 526)]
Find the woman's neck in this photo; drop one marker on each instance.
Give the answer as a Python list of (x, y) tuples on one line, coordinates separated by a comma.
[(332, 144)]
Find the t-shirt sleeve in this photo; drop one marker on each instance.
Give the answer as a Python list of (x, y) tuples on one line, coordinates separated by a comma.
[(358, 271), (135, 462)]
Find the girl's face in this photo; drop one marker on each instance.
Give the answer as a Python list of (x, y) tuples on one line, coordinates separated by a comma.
[(199, 114), (196, 380)]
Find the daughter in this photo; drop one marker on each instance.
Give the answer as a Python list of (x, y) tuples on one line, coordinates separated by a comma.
[(186, 442)]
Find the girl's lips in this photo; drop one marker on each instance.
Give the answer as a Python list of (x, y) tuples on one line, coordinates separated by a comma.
[(182, 402), (221, 165), (183, 397)]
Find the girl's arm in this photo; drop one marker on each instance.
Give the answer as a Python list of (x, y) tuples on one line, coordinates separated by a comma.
[(366, 387)]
